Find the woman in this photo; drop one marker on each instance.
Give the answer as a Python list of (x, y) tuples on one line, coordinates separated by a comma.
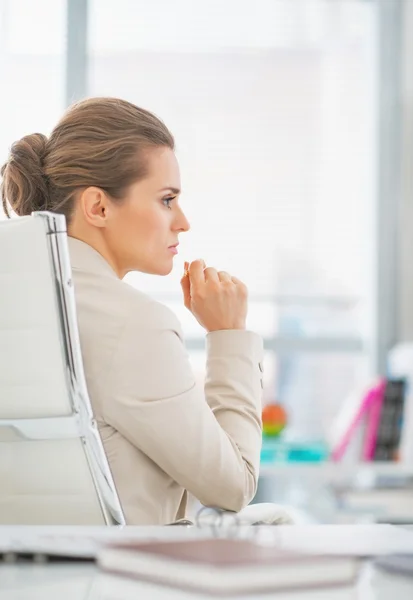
[(110, 168)]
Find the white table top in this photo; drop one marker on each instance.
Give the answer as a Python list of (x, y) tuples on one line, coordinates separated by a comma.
[(71, 581), (83, 581)]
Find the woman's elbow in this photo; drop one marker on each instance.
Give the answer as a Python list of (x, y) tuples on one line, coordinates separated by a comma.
[(244, 492), (234, 493)]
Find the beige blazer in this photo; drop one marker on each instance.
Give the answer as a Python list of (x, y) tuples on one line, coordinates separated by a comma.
[(163, 435)]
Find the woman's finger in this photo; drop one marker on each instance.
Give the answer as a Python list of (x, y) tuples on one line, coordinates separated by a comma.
[(196, 272), (211, 274), (224, 276)]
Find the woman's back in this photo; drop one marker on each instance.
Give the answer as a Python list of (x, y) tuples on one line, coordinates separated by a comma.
[(159, 433), (104, 304)]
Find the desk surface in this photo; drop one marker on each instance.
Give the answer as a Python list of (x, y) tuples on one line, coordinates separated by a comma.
[(85, 582)]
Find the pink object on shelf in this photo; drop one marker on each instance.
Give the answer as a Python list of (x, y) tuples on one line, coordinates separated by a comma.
[(373, 422), (372, 397)]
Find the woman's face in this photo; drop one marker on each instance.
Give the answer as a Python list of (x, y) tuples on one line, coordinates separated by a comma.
[(143, 230)]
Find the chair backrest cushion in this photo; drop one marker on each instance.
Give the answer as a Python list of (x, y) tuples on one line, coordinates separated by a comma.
[(33, 381), (53, 468)]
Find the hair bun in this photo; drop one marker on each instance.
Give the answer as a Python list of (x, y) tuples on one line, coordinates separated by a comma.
[(24, 184), (35, 144)]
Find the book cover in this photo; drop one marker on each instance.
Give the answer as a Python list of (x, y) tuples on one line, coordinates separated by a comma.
[(391, 420), (373, 422), (226, 566), (354, 410)]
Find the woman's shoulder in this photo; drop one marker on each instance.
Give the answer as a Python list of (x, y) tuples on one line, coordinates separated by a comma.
[(152, 311), (146, 312), (119, 301)]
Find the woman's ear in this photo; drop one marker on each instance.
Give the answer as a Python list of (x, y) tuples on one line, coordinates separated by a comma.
[(94, 204)]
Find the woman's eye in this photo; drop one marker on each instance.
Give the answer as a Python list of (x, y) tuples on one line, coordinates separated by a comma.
[(167, 201)]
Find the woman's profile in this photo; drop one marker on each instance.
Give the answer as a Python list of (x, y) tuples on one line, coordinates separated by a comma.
[(110, 168)]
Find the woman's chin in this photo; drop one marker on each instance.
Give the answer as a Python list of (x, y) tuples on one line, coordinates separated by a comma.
[(163, 270), (155, 268)]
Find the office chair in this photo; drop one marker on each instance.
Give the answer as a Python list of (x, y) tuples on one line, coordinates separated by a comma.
[(53, 469)]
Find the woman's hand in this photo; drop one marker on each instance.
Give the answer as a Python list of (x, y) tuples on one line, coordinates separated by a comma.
[(215, 298)]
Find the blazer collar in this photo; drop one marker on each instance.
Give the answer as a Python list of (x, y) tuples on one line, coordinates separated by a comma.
[(85, 258)]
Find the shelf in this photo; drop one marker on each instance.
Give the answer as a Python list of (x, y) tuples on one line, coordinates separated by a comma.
[(337, 472)]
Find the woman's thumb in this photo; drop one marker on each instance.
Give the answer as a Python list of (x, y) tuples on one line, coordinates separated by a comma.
[(186, 286)]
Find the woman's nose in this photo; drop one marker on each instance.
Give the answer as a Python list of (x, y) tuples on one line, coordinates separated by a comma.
[(181, 222)]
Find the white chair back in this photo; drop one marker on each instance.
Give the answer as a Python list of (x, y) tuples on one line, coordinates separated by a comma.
[(53, 469)]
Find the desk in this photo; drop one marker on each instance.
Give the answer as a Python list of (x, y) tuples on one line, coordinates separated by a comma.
[(329, 492), (84, 582)]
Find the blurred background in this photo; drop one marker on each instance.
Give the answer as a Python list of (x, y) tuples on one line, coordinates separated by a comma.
[(293, 122)]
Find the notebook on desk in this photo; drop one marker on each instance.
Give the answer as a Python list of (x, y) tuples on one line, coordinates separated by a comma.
[(226, 566)]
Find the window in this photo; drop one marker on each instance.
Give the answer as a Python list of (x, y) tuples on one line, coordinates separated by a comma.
[(32, 58), (273, 113)]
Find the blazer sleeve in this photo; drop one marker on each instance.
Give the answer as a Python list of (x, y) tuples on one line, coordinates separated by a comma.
[(211, 448)]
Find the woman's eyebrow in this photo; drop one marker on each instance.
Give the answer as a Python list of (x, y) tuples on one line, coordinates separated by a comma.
[(171, 189)]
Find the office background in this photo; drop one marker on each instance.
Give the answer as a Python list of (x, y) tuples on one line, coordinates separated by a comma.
[(294, 131)]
